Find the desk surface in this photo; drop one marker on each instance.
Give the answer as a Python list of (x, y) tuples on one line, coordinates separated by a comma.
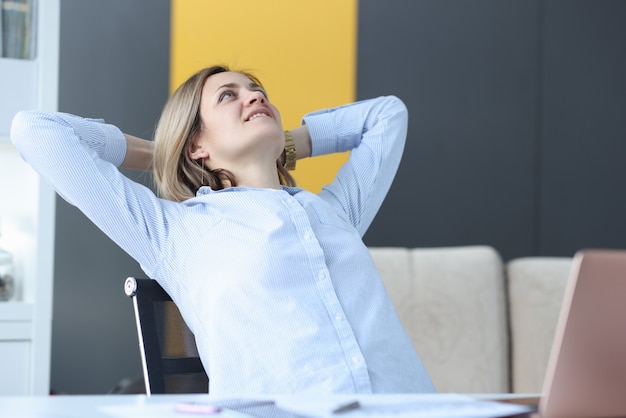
[(161, 406), (84, 405)]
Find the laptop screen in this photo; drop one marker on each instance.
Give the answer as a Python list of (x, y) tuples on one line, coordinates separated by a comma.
[(586, 374)]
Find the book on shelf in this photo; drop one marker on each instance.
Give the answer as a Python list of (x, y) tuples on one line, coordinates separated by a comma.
[(1, 31), (18, 29)]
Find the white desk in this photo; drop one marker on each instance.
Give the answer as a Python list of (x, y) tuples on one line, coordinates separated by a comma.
[(161, 406), (84, 406)]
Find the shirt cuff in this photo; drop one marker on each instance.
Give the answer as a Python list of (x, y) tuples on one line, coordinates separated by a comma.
[(114, 150), (323, 136), (332, 130)]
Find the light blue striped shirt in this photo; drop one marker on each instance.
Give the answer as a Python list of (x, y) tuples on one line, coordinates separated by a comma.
[(277, 285)]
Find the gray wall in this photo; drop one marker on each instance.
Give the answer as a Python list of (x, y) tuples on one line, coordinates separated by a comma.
[(583, 130), (114, 64), (517, 128), (517, 122)]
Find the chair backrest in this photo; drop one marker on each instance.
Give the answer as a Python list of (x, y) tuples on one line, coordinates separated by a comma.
[(168, 350)]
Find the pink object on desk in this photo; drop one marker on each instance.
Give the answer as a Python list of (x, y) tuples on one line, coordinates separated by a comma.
[(197, 408)]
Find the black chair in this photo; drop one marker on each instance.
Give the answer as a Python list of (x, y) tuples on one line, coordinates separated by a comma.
[(168, 348)]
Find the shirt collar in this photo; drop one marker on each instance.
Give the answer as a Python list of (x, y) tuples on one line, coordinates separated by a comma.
[(205, 190)]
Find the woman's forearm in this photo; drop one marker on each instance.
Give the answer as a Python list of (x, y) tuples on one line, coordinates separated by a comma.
[(139, 153)]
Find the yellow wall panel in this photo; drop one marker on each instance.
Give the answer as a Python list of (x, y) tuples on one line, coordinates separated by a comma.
[(303, 52)]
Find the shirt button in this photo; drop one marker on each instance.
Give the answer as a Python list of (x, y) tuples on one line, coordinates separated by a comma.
[(321, 274), (307, 236), (356, 359), (338, 318)]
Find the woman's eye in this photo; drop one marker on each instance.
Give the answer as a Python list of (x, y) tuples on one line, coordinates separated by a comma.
[(226, 95)]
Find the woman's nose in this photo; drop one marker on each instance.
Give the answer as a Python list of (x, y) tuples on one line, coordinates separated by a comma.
[(256, 97)]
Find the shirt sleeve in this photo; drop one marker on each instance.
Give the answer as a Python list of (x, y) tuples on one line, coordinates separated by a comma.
[(80, 158), (375, 132)]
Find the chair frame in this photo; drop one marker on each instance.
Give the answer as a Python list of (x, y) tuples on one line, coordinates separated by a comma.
[(143, 293)]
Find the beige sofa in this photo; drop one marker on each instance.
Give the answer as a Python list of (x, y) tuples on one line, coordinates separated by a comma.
[(479, 325)]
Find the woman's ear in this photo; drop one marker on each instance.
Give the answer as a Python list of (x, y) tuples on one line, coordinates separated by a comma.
[(197, 150)]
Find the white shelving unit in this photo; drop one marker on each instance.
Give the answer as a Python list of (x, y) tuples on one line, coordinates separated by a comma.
[(27, 214)]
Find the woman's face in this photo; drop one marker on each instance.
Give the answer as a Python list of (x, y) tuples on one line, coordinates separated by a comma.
[(238, 123)]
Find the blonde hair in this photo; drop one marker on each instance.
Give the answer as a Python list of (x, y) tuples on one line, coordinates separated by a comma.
[(177, 176)]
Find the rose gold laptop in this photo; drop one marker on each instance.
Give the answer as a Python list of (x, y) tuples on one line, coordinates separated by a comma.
[(586, 374)]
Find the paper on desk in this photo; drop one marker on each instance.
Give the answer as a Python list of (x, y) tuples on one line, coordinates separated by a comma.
[(163, 410), (399, 406), (320, 406)]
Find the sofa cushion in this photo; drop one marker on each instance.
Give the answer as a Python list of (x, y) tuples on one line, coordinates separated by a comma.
[(451, 301), (536, 287)]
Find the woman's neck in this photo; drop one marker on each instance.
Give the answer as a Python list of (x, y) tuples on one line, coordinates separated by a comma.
[(256, 176)]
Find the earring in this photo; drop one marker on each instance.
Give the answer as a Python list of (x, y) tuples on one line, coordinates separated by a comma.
[(200, 163)]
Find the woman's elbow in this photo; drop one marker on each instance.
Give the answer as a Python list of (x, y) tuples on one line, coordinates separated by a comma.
[(29, 126), (397, 110), (23, 125), (399, 105)]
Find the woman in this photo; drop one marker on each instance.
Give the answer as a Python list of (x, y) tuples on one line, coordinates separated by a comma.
[(274, 281)]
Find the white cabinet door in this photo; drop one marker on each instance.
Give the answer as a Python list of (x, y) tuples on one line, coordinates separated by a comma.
[(14, 368)]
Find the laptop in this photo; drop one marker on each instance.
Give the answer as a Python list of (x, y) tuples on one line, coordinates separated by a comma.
[(586, 373)]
